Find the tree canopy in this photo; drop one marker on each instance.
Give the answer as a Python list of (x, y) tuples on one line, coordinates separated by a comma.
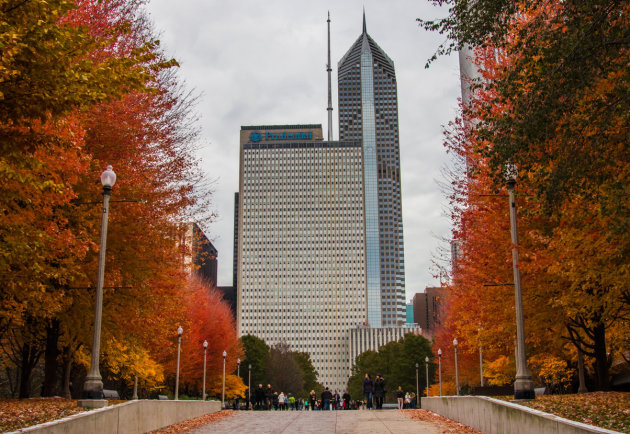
[(553, 101)]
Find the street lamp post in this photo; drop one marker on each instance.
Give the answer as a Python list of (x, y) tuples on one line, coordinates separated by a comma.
[(205, 349), (480, 362), (93, 387), (440, 368), (426, 364), (249, 385), (135, 387), (417, 388), (223, 390), (456, 371), (523, 386), (180, 330), (238, 367)]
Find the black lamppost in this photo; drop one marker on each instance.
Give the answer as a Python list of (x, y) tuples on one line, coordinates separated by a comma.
[(440, 368), (205, 349), (456, 371), (523, 385), (417, 387), (223, 390), (249, 384), (180, 330), (92, 396), (426, 364)]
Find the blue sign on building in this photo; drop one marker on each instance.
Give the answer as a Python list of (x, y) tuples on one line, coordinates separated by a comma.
[(257, 137)]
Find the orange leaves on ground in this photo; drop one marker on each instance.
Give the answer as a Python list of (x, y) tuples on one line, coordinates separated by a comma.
[(446, 425), (192, 424), (610, 410), (16, 414)]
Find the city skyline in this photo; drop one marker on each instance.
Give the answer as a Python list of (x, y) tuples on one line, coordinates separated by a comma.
[(421, 148)]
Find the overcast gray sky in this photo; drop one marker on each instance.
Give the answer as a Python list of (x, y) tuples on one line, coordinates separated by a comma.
[(263, 62)]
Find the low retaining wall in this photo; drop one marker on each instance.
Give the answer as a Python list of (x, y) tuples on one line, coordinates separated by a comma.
[(128, 418), (491, 416)]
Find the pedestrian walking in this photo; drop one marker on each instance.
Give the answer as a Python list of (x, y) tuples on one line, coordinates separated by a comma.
[(346, 400), (400, 395), (268, 397), (259, 397), (368, 389), (379, 391), (326, 398), (312, 398)]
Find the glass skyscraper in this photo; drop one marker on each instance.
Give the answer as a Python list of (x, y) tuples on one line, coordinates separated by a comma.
[(368, 112)]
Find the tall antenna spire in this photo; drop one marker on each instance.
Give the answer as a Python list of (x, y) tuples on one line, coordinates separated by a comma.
[(364, 26), (329, 69)]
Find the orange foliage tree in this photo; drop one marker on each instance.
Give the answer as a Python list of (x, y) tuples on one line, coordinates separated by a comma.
[(120, 104), (210, 319), (561, 115)]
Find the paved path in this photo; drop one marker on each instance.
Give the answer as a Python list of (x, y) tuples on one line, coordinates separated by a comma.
[(351, 421)]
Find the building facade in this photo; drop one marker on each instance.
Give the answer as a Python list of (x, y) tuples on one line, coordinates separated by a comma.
[(362, 339), (426, 308), (368, 112), (198, 253), (301, 243)]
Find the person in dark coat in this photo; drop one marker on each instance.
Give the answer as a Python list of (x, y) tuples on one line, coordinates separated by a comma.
[(259, 397), (346, 400), (326, 397), (312, 398), (268, 397), (368, 390), (379, 391)]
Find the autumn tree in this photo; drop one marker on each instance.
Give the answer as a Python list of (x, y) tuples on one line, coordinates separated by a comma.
[(553, 101), (208, 318), (99, 91)]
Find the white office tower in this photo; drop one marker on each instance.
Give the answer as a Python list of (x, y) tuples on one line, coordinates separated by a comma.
[(301, 243)]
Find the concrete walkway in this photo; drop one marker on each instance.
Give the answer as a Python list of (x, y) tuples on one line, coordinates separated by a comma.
[(351, 421)]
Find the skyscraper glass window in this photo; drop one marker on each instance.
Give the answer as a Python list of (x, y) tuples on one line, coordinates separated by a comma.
[(368, 112)]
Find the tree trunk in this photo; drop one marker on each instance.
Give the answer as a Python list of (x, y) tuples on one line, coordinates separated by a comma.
[(49, 388), (25, 372), (13, 377), (582, 387), (601, 358), (67, 368)]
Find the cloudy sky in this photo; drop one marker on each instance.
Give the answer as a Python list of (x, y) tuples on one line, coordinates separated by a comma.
[(263, 62)]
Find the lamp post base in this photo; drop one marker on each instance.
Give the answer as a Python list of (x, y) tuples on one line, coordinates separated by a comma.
[(92, 403), (92, 388), (524, 389)]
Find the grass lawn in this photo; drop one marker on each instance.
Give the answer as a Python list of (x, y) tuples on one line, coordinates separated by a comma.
[(609, 410), (16, 413)]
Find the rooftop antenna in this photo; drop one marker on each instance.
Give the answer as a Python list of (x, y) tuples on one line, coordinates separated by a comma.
[(329, 69)]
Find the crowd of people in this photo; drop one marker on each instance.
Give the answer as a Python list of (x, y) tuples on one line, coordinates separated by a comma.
[(374, 392), (265, 398)]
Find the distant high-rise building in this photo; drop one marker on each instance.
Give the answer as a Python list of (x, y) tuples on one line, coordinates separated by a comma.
[(426, 308), (368, 112), (199, 254), (301, 243), (235, 255), (409, 317)]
